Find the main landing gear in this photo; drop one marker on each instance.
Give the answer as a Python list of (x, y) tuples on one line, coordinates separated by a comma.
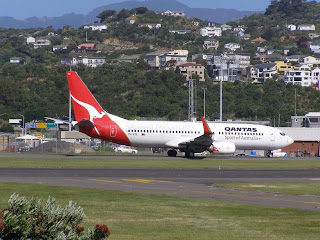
[(172, 153), (189, 154)]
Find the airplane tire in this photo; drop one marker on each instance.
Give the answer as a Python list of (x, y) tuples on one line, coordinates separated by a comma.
[(172, 153), (189, 154)]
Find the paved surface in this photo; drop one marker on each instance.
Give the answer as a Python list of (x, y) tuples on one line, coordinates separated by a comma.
[(187, 183)]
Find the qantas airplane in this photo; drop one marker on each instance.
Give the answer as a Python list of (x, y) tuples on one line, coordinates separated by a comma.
[(188, 137)]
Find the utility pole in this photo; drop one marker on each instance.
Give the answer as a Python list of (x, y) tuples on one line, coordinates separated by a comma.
[(204, 102), (191, 111), (70, 110), (295, 102), (221, 73)]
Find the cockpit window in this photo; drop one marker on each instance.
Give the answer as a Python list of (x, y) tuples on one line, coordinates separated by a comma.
[(282, 134)]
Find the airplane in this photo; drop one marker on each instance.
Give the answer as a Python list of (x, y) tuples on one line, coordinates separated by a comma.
[(185, 136)]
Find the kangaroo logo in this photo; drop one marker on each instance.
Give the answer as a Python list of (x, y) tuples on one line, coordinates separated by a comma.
[(93, 112)]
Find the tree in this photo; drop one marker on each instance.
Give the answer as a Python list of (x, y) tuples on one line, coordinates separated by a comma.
[(105, 15)]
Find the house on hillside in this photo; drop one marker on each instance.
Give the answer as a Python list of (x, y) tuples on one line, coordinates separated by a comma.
[(41, 43), (232, 46), (258, 40), (306, 27), (180, 31), (88, 61), (190, 69), (172, 13), (314, 47), (259, 73), (291, 27), (31, 40), (165, 60), (211, 44), (16, 60), (303, 76), (150, 25), (211, 32), (96, 27), (87, 47), (59, 48)]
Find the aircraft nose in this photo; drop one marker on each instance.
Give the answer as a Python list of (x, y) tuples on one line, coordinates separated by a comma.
[(289, 140)]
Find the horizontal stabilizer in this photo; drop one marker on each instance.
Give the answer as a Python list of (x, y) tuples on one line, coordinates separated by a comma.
[(85, 123)]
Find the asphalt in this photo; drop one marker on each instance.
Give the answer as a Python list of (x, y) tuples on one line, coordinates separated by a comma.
[(185, 183)]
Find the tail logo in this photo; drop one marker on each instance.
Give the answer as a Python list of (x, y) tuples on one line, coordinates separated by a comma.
[(113, 131), (94, 114)]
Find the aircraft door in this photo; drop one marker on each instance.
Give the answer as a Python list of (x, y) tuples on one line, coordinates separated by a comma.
[(272, 136)]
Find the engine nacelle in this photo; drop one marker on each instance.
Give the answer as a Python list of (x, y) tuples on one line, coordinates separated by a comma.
[(222, 147)]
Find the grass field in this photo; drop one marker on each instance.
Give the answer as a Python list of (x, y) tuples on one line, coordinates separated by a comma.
[(163, 163), (306, 188), (147, 216)]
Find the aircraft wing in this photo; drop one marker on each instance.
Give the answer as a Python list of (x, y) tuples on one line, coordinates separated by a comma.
[(203, 141)]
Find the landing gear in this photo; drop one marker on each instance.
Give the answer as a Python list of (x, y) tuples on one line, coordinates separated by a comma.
[(189, 154), (172, 153)]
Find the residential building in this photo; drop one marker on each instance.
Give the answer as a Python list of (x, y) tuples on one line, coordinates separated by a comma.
[(96, 27), (202, 56), (226, 27), (165, 60), (180, 31), (87, 47), (190, 69), (311, 60), (232, 46), (292, 27), (269, 58), (41, 43), (259, 73), (242, 60), (295, 58), (173, 13), (313, 35), (245, 37), (59, 48), (282, 67), (16, 60), (225, 72), (31, 40), (258, 40), (211, 32), (211, 44), (314, 47), (150, 25), (301, 76), (88, 61), (306, 27)]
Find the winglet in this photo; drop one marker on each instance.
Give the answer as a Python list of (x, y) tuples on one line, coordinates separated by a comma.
[(206, 127)]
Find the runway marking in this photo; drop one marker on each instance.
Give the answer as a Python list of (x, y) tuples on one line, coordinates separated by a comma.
[(314, 179), (100, 180), (145, 181), (315, 203)]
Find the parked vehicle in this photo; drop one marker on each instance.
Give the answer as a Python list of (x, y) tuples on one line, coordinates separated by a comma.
[(125, 149)]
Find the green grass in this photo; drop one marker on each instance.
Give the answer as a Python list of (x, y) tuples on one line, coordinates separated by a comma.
[(148, 216), (306, 188), (163, 163)]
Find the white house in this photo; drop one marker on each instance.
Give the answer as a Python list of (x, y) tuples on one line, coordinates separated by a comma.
[(226, 27), (307, 27), (292, 27), (173, 13), (96, 27), (211, 32), (16, 60), (180, 31), (59, 47), (162, 60), (311, 60), (150, 25), (314, 47), (232, 46), (31, 40), (261, 72), (301, 76), (211, 44), (42, 43), (88, 61)]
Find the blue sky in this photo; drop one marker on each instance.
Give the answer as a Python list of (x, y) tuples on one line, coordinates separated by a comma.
[(21, 9)]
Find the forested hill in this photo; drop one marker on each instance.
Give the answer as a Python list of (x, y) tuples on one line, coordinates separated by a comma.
[(131, 91)]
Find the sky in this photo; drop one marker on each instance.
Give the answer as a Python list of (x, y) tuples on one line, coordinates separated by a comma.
[(22, 9)]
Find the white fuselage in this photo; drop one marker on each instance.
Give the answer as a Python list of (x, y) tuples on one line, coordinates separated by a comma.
[(166, 134)]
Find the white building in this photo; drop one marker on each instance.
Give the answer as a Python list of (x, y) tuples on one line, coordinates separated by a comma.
[(226, 27), (314, 47), (303, 76), (172, 13), (292, 27), (211, 44), (31, 40), (211, 32), (180, 31), (232, 46), (150, 25), (311, 60), (165, 60), (96, 27), (88, 61), (42, 43), (306, 27), (261, 72)]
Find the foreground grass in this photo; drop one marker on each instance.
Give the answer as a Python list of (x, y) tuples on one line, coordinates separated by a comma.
[(147, 216), (162, 163), (312, 188)]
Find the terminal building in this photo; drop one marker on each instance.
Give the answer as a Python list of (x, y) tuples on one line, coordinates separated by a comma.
[(305, 131)]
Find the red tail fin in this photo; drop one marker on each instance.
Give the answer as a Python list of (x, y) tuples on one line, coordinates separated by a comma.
[(85, 105)]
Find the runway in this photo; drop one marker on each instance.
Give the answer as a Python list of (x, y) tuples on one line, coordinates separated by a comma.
[(185, 183)]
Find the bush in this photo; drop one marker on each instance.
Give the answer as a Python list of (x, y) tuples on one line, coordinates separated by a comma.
[(29, 219)]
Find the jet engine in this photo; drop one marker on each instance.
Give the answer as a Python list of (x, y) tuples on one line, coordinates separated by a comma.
[(222, 147)]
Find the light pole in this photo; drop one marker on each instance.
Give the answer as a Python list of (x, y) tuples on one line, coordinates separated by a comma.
[(204, 102), (23, 128)]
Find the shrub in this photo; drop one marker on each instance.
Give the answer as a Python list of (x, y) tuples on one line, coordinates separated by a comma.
[(29, 219)]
